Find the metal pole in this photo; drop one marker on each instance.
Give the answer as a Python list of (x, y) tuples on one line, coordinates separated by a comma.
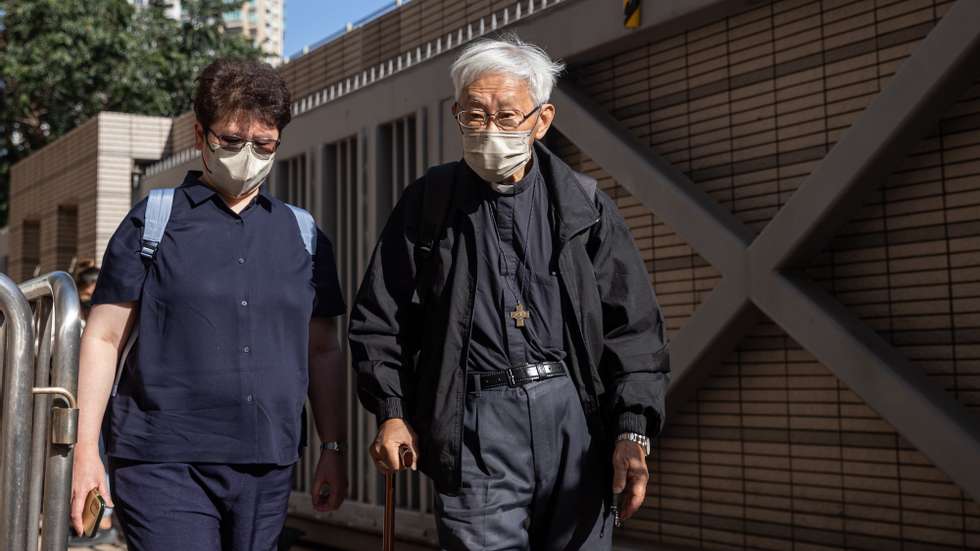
[(66, 311), (44, 327), (16, 422)]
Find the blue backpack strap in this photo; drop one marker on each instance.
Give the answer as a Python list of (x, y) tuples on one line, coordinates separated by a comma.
[(307, 228), (126, 351), (158, 208)]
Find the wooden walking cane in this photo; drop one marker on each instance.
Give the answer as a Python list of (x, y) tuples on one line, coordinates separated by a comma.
[(388, 536)]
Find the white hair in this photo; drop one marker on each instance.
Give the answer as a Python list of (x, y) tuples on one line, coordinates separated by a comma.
[(507, 55)]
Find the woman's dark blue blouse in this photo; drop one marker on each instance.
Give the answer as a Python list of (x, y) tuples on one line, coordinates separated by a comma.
[(219, 373)]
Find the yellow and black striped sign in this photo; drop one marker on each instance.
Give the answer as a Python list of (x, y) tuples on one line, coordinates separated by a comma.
[(631, 13)]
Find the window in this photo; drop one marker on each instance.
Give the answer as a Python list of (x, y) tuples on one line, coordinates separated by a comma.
[(30, 250), (66, 230), (291, 183), (397, 162)]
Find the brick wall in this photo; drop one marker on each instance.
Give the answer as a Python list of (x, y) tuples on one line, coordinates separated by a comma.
[(775, 452), (78, 189)]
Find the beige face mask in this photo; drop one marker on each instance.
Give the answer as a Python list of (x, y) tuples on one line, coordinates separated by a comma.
[(236, 173), (496, 156)]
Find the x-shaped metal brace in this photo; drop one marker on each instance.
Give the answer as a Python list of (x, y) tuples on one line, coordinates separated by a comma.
[(756, 270)]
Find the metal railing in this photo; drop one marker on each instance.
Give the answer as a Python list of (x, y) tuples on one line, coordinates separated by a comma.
[(41, 330)]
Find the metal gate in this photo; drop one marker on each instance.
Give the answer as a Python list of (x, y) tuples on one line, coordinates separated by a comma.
[(40, 337)]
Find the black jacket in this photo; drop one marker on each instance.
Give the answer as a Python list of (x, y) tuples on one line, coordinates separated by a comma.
[(411, 363)]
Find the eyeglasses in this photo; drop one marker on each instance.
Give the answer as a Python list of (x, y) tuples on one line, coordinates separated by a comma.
[(506, 119), (234, 144)]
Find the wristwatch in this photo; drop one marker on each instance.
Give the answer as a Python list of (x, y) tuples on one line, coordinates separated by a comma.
[(640, 439), (339, 447)]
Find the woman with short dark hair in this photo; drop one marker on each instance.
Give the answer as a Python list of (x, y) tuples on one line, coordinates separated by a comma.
[(235, 298)]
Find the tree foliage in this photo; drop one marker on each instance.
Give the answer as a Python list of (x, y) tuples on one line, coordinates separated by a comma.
[(63, 61)]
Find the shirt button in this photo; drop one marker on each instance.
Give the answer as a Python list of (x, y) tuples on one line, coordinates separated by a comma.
[(244, 303), (248, 398), (246, 349), (241, 260)]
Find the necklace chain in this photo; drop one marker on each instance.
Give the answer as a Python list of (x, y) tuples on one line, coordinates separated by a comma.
[(522, 281)]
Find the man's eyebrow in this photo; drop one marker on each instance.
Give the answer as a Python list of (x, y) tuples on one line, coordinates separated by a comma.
[(476, 103)]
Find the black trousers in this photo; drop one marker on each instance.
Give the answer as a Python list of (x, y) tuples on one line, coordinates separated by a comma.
[(533, 478), (200, 507)]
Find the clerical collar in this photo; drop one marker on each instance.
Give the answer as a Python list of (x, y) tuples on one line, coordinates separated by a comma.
[(520, 186)]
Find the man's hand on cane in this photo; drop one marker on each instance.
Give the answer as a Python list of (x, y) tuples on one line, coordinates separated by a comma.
[(394, 449), (630, 477)]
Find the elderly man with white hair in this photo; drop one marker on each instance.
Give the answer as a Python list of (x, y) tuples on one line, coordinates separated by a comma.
[(506, 334)]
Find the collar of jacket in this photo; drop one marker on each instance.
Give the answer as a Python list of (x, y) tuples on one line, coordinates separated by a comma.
[(574, 210)]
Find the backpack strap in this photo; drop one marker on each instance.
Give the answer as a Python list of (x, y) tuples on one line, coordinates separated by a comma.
[(588, 183), (307, 227), (437, 193), (158, 208), (591, 188), (159, 205), (130, 343)]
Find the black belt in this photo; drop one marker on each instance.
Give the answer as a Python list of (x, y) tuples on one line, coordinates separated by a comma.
[(520, 376)]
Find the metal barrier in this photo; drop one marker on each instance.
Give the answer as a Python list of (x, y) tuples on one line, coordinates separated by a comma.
[(15, 426), (57, 309), (42, 330)]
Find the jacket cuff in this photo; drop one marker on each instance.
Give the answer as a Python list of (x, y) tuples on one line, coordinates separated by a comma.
[(632, 422), (390, 408)]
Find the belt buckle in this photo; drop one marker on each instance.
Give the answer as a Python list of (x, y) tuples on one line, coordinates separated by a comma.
[(511, 378)]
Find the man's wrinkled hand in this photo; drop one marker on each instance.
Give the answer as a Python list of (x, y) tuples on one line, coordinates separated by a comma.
[(394, 449), (630, 477)]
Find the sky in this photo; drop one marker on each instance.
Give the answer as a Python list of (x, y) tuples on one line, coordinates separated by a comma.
[(308, 21)]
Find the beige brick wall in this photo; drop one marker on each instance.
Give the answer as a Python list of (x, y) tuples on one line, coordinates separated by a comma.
[(775, 452), (89, 169)]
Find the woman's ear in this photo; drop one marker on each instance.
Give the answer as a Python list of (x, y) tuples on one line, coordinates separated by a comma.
[(198, 136)]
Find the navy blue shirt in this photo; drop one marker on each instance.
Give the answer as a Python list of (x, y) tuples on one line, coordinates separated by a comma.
[(515, 265), (220, 371)]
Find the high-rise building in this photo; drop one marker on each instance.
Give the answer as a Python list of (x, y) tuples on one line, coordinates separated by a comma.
[(262, 21)]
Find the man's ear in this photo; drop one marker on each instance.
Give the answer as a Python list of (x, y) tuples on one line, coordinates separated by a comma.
[(545, 119), (455, 112)]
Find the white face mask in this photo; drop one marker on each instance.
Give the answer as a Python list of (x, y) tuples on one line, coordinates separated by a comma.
[(236, 173), (496, 156)]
